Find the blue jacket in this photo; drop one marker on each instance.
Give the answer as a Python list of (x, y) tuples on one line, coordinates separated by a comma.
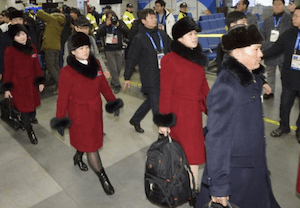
[(235, 142)]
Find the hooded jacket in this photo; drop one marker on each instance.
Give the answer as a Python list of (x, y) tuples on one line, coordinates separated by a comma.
[(53, 30)]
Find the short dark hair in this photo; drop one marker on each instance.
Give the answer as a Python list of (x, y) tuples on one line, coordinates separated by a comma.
[(233, 17), (5, 13), (280, 0), (246, 2), (161, 2), (145, 12), (75, 10)]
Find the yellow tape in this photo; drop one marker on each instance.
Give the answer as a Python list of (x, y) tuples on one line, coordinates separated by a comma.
[(277, 123), (138, 84), (209, 35)]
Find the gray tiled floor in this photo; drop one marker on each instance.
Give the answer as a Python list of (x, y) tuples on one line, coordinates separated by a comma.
[(43, 176)]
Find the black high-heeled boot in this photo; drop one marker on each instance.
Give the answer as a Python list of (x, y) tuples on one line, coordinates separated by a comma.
[(108, 188), (78, 161), (32, 136)]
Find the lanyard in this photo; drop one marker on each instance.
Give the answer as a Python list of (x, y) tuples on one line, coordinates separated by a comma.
[(276, 23), (160, 41), (297, 42), (112, 30), (163, 19)]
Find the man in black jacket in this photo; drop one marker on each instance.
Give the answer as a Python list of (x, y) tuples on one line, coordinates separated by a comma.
[(147, 49), (113, 31), (289, 44)]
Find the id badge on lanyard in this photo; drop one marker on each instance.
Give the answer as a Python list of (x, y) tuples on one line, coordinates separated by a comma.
[(159, 57), (295, 64), (161, 54), (161, 27), (111, 38), (275, 33)]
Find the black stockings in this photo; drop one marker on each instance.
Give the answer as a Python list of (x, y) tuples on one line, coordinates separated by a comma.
[(94, 161)]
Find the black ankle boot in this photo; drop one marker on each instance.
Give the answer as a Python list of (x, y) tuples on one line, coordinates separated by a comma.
[(108, 188), (32, 136), (78, 161)]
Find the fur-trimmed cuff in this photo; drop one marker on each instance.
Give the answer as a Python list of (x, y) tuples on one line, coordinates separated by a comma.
[(112, 106), (39, 80), (8, 86), (60, 124), (165, 120)]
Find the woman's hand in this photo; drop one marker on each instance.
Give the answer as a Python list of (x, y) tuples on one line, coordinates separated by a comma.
[(164, 130), (220, 200), (107, 74), (7, 94), (41, 87)]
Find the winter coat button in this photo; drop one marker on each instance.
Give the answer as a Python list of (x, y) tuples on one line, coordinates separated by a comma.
[(253, 97)]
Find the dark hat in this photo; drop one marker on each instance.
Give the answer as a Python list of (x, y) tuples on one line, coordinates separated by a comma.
[(15, 14), (15, 29), (82, 21), (107, 7), (182, 27), (241, 36), (77, 40), (129, 5), (183, 5)]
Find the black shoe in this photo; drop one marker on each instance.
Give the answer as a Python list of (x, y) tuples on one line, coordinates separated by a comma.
[(33, 121), (116, 89), (278, 132), (137, 127), (32, 136), (78, 161), (268, 96), (108, 188), (298, 136)]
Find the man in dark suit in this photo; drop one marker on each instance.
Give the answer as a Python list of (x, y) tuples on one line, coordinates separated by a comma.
[(236, 167), (272, 28)]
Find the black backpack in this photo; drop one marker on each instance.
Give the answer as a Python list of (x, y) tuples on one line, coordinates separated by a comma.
[(167, 180)]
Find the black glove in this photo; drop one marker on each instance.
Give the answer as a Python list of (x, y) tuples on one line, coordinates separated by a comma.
[(60, 124)]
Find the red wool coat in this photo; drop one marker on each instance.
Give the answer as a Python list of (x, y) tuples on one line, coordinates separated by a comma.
[(79, 98), (183, 91), (21, 70)]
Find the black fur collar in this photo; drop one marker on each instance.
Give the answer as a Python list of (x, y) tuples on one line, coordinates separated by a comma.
[(244, 76), (27, 48), (89, 70), (194, 55)]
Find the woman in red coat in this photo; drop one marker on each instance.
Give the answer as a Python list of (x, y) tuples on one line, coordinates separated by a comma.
[(183, 91), (80, 85), (23, 77)]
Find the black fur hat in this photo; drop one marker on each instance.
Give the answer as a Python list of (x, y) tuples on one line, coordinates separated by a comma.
[(77, 40), (182, 27), (15, 29), (241, 36), (15, 14)]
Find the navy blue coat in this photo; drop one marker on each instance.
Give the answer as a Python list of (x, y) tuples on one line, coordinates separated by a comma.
[(235, 142)]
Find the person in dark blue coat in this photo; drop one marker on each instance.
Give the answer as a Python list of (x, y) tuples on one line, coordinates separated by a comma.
[(236, 168)]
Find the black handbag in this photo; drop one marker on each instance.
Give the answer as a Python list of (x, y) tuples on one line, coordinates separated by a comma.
[(11, 115), (217, 205)]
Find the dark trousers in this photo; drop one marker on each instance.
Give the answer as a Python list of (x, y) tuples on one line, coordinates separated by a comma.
[(288, 96), (52, 61), (151, 102), (25, 117)]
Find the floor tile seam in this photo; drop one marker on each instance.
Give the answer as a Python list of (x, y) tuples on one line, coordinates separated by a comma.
[(147, 146)]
